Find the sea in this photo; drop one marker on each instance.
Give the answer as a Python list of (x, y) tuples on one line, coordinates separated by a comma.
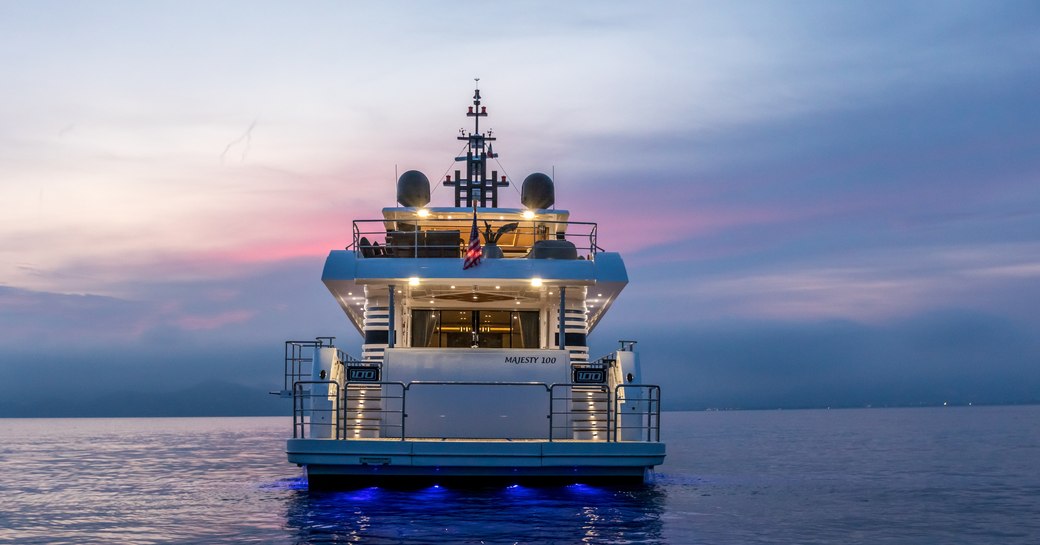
[(879, 476)]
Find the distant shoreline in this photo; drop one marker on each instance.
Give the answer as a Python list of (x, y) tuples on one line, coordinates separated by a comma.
[(6, 416)]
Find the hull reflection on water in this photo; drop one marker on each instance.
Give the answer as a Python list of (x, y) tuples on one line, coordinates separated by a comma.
[(565, 514)]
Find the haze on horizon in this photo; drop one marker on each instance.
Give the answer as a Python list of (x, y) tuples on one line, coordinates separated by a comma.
[(819, 204)]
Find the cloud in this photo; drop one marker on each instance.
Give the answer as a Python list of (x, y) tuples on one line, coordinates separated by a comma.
[(782, 179), (214, 321)]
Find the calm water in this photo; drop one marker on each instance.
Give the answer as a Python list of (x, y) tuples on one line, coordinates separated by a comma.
[(956, 475)]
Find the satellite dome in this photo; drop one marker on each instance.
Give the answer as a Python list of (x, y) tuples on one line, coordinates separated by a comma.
[(538, 191), (413, 189)]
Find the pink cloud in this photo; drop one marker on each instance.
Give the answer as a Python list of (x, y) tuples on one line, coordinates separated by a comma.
[(214, 321)]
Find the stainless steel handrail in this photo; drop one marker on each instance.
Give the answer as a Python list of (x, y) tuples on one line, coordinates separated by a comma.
[(300, 418), (365, 384), (632, 393), (650, 415), (296, 355), (412, 238), (570, 398)]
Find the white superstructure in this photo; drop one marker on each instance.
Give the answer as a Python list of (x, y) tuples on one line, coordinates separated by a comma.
[(463, 371)]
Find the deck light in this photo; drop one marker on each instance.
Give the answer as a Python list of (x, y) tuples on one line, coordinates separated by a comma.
[(528, 215), (536, 282), (422, 212), (498, 287), (453, 287), (413, 281)]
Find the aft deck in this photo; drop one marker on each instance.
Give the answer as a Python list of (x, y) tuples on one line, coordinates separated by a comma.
[(355, 425)]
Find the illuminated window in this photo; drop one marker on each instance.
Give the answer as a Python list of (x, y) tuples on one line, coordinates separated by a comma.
[(488, 328)]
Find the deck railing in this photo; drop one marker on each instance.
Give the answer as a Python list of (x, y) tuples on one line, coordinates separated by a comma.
[(442, 237), (314, 410), (570, 394), (632, 412), (299, 356), (638, 409), (299, 359)]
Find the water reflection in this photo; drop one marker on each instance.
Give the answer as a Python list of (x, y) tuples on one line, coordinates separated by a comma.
[(516, 513)]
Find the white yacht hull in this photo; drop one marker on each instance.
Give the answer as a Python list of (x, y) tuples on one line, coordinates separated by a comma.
[(518, 459)]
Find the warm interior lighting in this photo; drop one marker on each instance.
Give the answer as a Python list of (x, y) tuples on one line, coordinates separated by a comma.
[(413, 281), (422, 212), (536, 282), (528, 215)]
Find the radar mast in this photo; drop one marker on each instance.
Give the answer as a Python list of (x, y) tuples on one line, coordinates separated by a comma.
[(476, 188)]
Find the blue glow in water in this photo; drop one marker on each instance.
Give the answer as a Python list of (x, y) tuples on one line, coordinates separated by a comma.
[(585, 489), (364, 495), (930, 476)]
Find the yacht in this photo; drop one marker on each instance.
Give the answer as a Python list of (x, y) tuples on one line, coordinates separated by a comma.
[(475, 362)]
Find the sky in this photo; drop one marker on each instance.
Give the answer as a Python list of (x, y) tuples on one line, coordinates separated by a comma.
[(819, 203)]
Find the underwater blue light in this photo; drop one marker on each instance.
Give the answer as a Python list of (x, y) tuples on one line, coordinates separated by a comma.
[(369, 494), (585, 489)]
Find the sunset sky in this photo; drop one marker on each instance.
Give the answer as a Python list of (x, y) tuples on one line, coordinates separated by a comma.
[(819, 203)]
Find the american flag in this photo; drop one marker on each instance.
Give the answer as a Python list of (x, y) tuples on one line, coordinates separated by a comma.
[(473, 253)]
